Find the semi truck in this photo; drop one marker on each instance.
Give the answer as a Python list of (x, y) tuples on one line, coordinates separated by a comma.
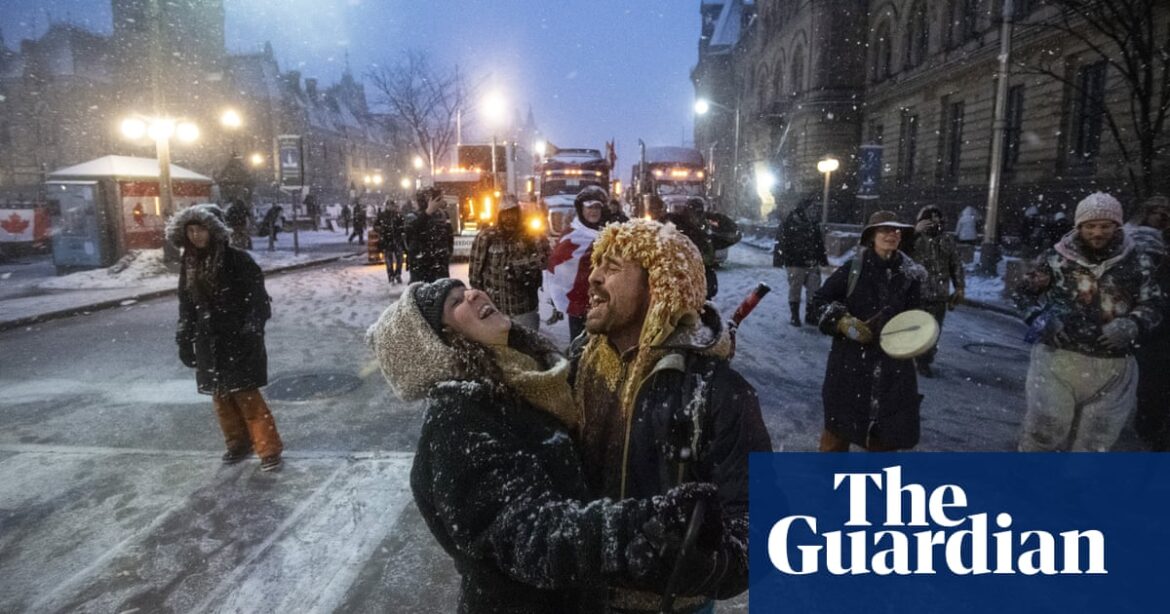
[(561, 175)]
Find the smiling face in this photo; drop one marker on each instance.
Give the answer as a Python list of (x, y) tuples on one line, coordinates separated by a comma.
[(886, 240), (198, 236), (1097, 233), (591, 211), (471, 314), (619, 297)]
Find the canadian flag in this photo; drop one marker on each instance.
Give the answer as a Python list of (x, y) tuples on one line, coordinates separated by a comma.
[(16, 225)]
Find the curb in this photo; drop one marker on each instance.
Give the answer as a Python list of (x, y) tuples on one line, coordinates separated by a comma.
[(147, 296)]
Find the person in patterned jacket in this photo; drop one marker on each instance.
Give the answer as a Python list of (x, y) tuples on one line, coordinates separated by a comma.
[(937, 252), (1088, 300), (508, 264)]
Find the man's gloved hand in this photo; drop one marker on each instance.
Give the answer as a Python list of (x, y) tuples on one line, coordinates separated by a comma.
[(956, 298), (556, 316), (653, 552), (1119, 333), (187, 354), (854, 329)]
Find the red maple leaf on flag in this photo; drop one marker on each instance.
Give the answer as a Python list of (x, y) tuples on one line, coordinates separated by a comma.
[(15, 224)]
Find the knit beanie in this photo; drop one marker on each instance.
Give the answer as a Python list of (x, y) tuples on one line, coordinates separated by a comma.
[(430, 298), (1098, 206)]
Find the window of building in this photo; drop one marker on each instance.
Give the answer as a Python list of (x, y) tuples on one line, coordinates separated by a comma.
[(961, 25), (880, 67), (917, 35), (5, 134), (950, 140), (876, 133), (798, 70), (762, 88), (778, 79), (1088, 111), (907, 146), (1014, 116)]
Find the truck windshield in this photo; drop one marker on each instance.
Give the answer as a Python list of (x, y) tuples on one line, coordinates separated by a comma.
[(551, 187), (666, 188)]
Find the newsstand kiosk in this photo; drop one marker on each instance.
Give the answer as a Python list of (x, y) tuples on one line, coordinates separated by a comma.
[(110, 205)]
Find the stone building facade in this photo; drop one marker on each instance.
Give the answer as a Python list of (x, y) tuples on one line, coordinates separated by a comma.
[(63, 96), (918, 79)]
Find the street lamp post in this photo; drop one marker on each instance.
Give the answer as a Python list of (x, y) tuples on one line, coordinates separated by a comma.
[(702, 107), (161, 129), (827, 166)]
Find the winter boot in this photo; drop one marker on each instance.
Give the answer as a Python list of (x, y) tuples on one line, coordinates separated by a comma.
[(232, 457), (924, 368), (795, 307), (810, 317), (270, 463)]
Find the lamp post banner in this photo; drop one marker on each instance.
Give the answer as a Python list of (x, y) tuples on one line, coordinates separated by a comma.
[(292, 170), (959, 532), (869, 171)]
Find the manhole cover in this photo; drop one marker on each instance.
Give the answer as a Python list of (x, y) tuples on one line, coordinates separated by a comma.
[(310, 386), (997, 351)]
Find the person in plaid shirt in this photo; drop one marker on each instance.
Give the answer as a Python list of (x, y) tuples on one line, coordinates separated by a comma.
[(507, 262)]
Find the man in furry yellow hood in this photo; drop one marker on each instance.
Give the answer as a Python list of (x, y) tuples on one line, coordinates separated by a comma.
[(658, 401)]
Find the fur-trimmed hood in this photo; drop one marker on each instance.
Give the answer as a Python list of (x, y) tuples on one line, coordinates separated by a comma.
[(412, 357), (206, 215)]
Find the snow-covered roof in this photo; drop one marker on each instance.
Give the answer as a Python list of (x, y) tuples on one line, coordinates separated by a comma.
[(683, 155), (575, 155), (125, 167)]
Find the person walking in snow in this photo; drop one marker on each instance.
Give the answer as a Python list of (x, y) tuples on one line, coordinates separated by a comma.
[(430, 238), (937, 252), (1088, 300), (497, 477), (1148, 229), (391, 231), (507, 262), (359, 223), (800, 249), (343, 217), (223, 307), (871, 399), (660, 404), (566, 281), (273, 223), (967, 228)]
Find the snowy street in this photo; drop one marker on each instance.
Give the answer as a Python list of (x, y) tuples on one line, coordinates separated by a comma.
[(113, 498)]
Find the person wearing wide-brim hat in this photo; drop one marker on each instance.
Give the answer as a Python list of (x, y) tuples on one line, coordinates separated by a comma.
[(871, 399)]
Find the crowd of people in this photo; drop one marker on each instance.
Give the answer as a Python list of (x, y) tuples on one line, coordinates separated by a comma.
[(570, 479)]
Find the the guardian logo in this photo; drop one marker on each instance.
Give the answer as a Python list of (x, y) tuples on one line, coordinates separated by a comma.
[(936, 533)]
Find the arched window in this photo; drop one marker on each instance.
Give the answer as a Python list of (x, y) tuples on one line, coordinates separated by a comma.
[(797, 71), (762, 90), (778, 78), (961, 21), (880, 66), (917, 35)]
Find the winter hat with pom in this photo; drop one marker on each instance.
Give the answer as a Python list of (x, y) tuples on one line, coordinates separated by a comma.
[(1099, 206), (207, 215), (410, 353)]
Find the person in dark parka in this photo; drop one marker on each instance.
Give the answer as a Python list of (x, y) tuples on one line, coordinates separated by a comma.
[(359, 223), (497, 477), (800, 249), (871, 399), (432, 241), (223, 307)]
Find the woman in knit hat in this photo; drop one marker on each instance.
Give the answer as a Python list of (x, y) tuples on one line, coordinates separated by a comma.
[(497, 476)]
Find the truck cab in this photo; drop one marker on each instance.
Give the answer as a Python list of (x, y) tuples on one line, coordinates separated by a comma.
[(562, 175)]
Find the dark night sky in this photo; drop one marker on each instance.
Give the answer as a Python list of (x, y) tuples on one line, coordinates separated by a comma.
[(591, 69)]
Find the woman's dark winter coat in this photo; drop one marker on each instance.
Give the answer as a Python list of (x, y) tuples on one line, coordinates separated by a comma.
[(225, 322), (870, 398)]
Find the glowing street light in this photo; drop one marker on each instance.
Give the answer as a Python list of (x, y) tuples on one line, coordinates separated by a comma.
[(187, 132), (133, 128), (494, 107), (231, 119), (540, 148), (702, 107), (161, 129), (378, 179), (257, 159), (405, 183), (418, 163), (827, 166)]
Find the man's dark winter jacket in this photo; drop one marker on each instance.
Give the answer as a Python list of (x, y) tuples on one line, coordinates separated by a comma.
[(799, 242), (226, 327), (870, 398), (694, 227), (1090, 290), (731, 427), (432, 244)]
